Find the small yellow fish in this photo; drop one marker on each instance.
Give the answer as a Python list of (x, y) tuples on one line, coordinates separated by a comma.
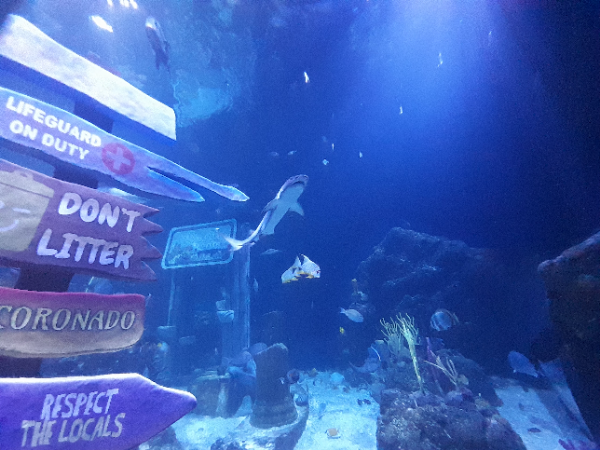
[(309, 268), (342, 331)]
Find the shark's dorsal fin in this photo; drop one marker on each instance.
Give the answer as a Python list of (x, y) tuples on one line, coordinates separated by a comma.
[(297, 208)]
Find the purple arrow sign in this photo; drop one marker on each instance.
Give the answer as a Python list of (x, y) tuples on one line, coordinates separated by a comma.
[(50, 222), (58, 324), (110, 412), (61, 135)]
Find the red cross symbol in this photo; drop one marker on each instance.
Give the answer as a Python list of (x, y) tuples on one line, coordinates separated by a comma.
[(118, 158)]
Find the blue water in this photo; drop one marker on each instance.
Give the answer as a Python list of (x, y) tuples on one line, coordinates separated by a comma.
[(477, 121)]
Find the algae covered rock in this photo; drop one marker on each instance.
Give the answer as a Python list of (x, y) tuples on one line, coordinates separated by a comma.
[(417, 274), (430, 422)]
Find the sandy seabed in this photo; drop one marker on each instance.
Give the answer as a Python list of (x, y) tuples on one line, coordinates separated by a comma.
[(541, 417)]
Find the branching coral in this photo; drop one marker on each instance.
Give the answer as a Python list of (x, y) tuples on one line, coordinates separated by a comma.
[(411, 334), (398, 329), (393, 337), (449, 369)]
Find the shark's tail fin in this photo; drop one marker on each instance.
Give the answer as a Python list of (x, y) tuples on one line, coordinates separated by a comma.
[(234, 243)]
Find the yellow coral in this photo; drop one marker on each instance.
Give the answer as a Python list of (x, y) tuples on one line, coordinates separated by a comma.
[(405, 328), (393, 337)]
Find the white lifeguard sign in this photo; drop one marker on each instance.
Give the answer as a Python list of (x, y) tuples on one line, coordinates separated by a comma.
[(199, 245)]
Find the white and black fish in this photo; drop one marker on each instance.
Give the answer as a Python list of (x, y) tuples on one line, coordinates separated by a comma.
[(285, 201), (443, 320), (158, 42), (291, 274), (309, 269)]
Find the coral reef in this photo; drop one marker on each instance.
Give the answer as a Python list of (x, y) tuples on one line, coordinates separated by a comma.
[(394, 338), (417, 274), (457, 421), (399, 330)]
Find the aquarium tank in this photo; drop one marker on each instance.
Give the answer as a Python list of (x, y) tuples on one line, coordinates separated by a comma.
[(300, 224)]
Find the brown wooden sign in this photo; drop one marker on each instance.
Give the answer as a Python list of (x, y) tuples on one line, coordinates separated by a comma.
[(49, 222), (59, 324)]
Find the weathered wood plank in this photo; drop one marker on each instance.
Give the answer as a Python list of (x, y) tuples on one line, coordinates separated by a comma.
[(52, 223), (33, 51), (60, 324)]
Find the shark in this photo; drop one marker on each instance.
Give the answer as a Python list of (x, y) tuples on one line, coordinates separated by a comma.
[(285, 201)]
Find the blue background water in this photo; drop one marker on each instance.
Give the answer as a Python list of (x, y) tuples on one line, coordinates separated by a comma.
[(497, 143)]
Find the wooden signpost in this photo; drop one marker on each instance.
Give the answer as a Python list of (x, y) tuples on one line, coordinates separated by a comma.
[(61, 136), (52, 228), (59, 324), (109, 412), (28, 51), (48, 222)]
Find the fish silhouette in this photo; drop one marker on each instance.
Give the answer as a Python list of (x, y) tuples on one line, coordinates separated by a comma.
[(158, 42)]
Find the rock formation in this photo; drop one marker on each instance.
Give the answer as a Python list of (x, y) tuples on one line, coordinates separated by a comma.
[(573, 288), (275, 423), (415, 273), (415, 422), (274, 404)]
